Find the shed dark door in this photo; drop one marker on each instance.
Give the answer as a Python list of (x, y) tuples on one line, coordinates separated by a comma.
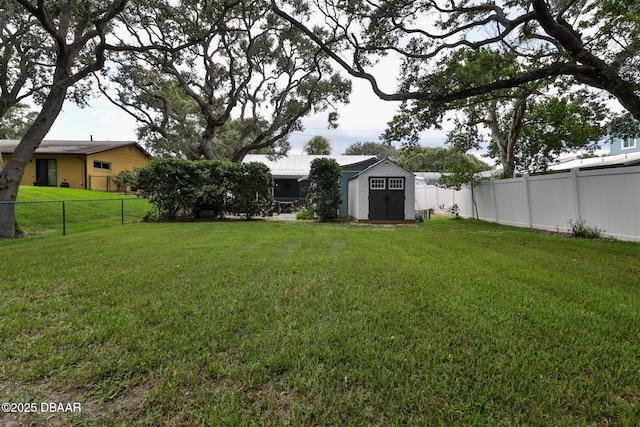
[(386, 198)]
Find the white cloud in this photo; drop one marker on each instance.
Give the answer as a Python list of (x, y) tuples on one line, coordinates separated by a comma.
[(101, 121)]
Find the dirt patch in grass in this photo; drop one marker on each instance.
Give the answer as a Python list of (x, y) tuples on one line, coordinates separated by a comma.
[(276, 404), (569, 235), (43, 404), (554, 233)]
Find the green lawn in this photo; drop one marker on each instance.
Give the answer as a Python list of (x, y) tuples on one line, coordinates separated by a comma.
[(44, 210), (306, 324)]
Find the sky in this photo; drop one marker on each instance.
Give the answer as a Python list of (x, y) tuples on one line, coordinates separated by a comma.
[(362, 120)]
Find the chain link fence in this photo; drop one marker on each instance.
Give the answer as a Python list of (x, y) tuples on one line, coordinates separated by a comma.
[(71, 216)]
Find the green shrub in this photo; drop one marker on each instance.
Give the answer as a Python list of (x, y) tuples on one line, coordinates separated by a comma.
[(324, 189), (453, 210), (170, 185), (177, 186), (124, 179), (251, 188), (579, 229), (304, 214)]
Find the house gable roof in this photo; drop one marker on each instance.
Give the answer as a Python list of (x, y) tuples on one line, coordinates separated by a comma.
[(384, 161), (7, 146)]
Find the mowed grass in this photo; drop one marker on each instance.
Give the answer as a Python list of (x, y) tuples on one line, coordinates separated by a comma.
[(307, 324), (43, 210)]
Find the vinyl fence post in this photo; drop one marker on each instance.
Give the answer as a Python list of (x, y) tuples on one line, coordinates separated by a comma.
[(576, 194), (525, 178), (64, 219), (495, 200)]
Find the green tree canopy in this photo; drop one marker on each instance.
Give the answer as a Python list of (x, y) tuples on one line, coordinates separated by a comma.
[(592, 42), (464, 174), (438, 159), (623, 126), (380, 150), (220, 62), (526, 129), (16, 121), (481, 56)]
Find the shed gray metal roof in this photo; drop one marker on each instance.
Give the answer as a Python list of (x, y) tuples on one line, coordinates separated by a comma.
[(7, 146), (299, 165)]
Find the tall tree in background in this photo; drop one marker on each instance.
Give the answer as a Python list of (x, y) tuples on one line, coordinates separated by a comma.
[(318, 145), (623, 126), (528, 127), (381, 150), (15, 122), (48, 49), (245, 64), (437, 159)]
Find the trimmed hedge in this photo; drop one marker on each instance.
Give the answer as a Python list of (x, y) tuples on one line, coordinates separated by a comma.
[(324, 196), (178, 187)]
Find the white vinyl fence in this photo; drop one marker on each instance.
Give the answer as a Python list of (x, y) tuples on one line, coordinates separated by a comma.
[(608, 199)]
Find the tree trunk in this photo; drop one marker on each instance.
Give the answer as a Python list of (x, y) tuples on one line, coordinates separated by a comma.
[(205, 148), (240, 153), (508, 165), (11, 175), (259, 142), (507, 143), (474, 202)]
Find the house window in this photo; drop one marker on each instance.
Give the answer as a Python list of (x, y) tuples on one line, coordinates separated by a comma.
[(396, 183), (628, 143), (101, 165), (377, 184)]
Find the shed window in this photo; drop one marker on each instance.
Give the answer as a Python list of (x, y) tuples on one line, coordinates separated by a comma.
[(396, 183), (377, 184), (101, 165), (628, 143)]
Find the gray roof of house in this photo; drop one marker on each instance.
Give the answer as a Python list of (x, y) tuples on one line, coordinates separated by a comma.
[(629, 159), (299, 165), (7, 146), (427, 178)]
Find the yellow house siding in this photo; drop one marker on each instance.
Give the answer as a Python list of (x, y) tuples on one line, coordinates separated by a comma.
[(78, 170), (69, 169), (119, 159)]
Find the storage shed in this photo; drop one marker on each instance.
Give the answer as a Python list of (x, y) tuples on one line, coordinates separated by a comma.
[(384, 192)]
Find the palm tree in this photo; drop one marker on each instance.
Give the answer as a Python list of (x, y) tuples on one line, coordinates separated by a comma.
[(318, 145)]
